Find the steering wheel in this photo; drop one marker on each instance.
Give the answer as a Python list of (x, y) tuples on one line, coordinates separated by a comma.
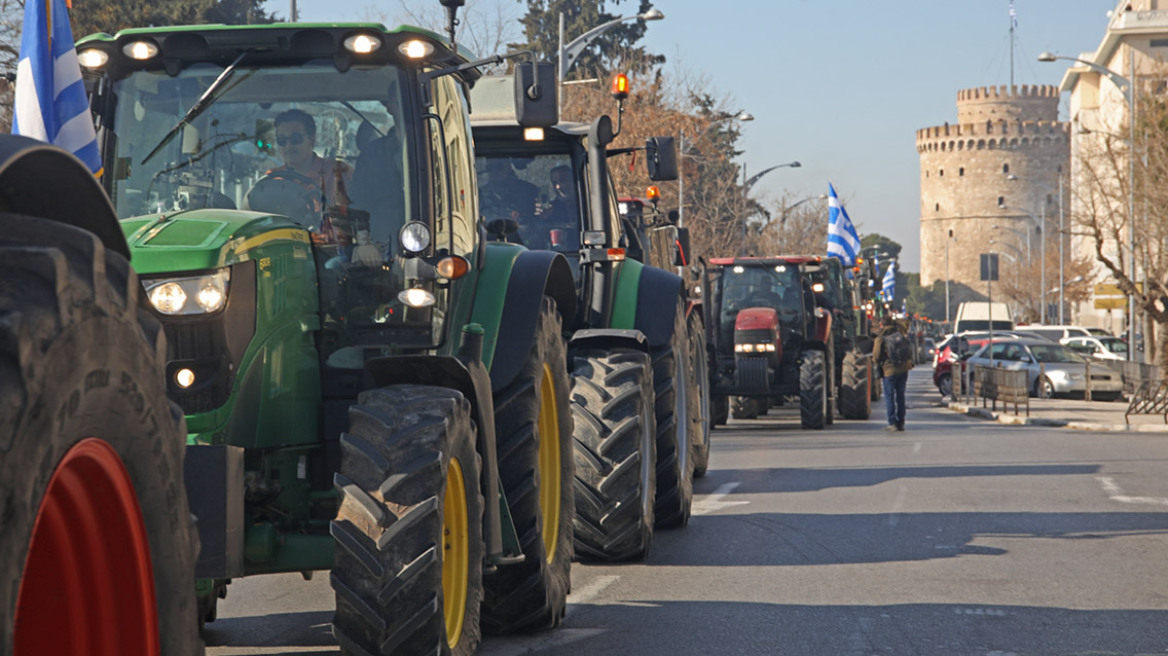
[(288, 193)]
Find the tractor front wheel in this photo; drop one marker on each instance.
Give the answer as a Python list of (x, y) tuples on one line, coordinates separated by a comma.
[(672, 393), (701, 409), (813, 390), (745, 407), (855, 397), (408, 567), (616, 454)]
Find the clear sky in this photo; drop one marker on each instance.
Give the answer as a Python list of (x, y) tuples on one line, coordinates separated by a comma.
[(840, 86)]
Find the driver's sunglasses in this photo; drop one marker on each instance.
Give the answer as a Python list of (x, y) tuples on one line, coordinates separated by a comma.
[(295, 139)]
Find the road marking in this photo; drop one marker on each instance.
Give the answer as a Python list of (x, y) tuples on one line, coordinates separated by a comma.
[(713, 502), (894, 516), (916, 447), (1116, 494), (592, 589)]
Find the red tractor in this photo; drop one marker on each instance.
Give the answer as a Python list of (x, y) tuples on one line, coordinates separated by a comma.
[(770, 344)]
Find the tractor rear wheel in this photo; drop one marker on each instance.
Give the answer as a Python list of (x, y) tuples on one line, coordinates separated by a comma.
[(813, 390), (533, 428), (616, 454), (408, 568), (745, 407), (701, 407), (855, 397), (98, 554), (672, 392)]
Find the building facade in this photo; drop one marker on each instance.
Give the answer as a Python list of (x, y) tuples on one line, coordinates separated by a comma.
[(971, 205)]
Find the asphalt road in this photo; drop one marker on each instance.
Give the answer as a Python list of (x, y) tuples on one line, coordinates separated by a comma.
[(958, 536)]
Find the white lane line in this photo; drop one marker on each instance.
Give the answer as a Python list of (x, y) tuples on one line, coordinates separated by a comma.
[(894, 516), (916, 447), (713, 502), (1116, 494), (592, 589)]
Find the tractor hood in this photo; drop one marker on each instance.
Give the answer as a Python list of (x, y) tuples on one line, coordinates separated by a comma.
[(757, 318), (202, 239)]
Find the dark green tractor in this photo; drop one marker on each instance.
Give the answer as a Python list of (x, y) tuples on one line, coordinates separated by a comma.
[(851, 338), (635, 396), (334, 315)]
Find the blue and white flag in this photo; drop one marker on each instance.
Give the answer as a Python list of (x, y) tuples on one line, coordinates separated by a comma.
[(842, 240), (50, 97), (889, 290)]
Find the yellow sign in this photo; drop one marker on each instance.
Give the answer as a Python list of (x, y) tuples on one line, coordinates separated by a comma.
[(1109, 303), (1109, 289)]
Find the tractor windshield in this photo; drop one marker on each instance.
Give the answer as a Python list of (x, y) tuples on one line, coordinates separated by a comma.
[(302, 141), (538, 193), (775, 286)]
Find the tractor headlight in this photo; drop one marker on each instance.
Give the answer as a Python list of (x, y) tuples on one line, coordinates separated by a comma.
[(415, 237), (202, 294), (754, 348)]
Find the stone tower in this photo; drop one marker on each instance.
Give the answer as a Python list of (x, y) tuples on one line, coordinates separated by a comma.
[(1000, 131)]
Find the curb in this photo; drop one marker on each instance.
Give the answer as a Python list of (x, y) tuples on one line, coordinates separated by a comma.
[(1009, 419)]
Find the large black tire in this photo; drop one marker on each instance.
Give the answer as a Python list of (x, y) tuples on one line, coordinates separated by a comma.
[(616, 454), (700, 406), (87, 436), (832, 400), (675, 464), (720, 410), (855, 397), (533, 421), (745, 407), (813, 390), (411, 511)]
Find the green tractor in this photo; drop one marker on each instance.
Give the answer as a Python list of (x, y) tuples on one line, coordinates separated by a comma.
[(300, 203), (850, 335), (634, 392)]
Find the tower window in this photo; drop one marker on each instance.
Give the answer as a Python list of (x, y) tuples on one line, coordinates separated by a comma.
[(1001, 201), (941, 173), (961, 172), (937, 207), (1005, 168)]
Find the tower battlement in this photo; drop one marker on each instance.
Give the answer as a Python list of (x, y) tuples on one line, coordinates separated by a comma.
[(1016, 102), (1006, 92), (1001, 134)]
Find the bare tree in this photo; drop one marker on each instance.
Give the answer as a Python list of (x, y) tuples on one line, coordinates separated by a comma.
[(483, 28)]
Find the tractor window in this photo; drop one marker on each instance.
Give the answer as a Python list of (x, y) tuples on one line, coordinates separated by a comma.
[(776, 286), (539, 193), (450, 105)]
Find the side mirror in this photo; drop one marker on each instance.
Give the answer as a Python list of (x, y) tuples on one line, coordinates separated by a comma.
[(661, 158), (535, 95)]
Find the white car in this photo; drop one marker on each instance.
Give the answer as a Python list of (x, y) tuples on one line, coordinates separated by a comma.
[(1100, 348)]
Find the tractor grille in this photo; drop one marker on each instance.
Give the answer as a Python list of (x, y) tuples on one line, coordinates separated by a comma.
[(752, 375), (754, 336)]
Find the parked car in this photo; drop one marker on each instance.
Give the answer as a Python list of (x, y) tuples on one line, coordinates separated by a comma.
[(1056, 333), (1100, 348), (1052, 369), (931, 348), (947, 354), (1099, 332), (976, 315)]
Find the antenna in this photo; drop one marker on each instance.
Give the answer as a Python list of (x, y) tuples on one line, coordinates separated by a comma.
[(1013, 26), (452, 19)]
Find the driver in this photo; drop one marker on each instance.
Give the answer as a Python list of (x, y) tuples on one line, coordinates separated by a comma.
[(315, 182)]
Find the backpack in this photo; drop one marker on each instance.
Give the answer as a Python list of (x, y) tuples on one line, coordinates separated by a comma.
[(897, 347)]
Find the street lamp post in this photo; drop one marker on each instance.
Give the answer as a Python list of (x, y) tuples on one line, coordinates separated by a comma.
[(747, 184), (740, 116), (569, 53), (947, 240), (1060, 230), (1127, 89)]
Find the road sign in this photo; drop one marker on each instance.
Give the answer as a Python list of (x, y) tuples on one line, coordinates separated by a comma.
[(1110, 303), (989, 266), (1110, 289)]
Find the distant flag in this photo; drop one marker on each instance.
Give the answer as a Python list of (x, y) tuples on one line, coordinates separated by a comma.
[(1013, 15), (889, 290), (50, 97), (842, 240)]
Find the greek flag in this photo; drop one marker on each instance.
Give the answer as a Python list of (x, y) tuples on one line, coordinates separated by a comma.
[(842, 240), (889, 290), (50, 97)]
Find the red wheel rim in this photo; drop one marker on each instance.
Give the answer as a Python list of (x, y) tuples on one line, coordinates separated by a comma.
[(88, 586)]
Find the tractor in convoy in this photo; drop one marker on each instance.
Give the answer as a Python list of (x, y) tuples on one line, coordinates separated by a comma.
[(772, 343), (851, 339), (635, 395), (300, 204)]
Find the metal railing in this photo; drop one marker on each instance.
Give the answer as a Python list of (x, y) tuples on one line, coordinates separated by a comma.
[(1010, 386), (1135, 373)]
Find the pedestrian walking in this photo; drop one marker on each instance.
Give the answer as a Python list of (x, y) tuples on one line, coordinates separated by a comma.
[(893, 351)]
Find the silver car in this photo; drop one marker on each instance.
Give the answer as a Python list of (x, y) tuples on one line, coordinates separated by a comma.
[(1051, 368)]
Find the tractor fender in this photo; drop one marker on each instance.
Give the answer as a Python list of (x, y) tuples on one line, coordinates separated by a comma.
[(823, 320), (32, 175), (645, 299), (533, 275), (607, 339)]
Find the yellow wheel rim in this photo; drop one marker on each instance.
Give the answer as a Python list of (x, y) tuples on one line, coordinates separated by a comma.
[(549, 463), (455, 552)]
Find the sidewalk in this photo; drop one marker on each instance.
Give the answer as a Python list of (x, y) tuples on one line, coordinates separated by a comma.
[(1069, 413)]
